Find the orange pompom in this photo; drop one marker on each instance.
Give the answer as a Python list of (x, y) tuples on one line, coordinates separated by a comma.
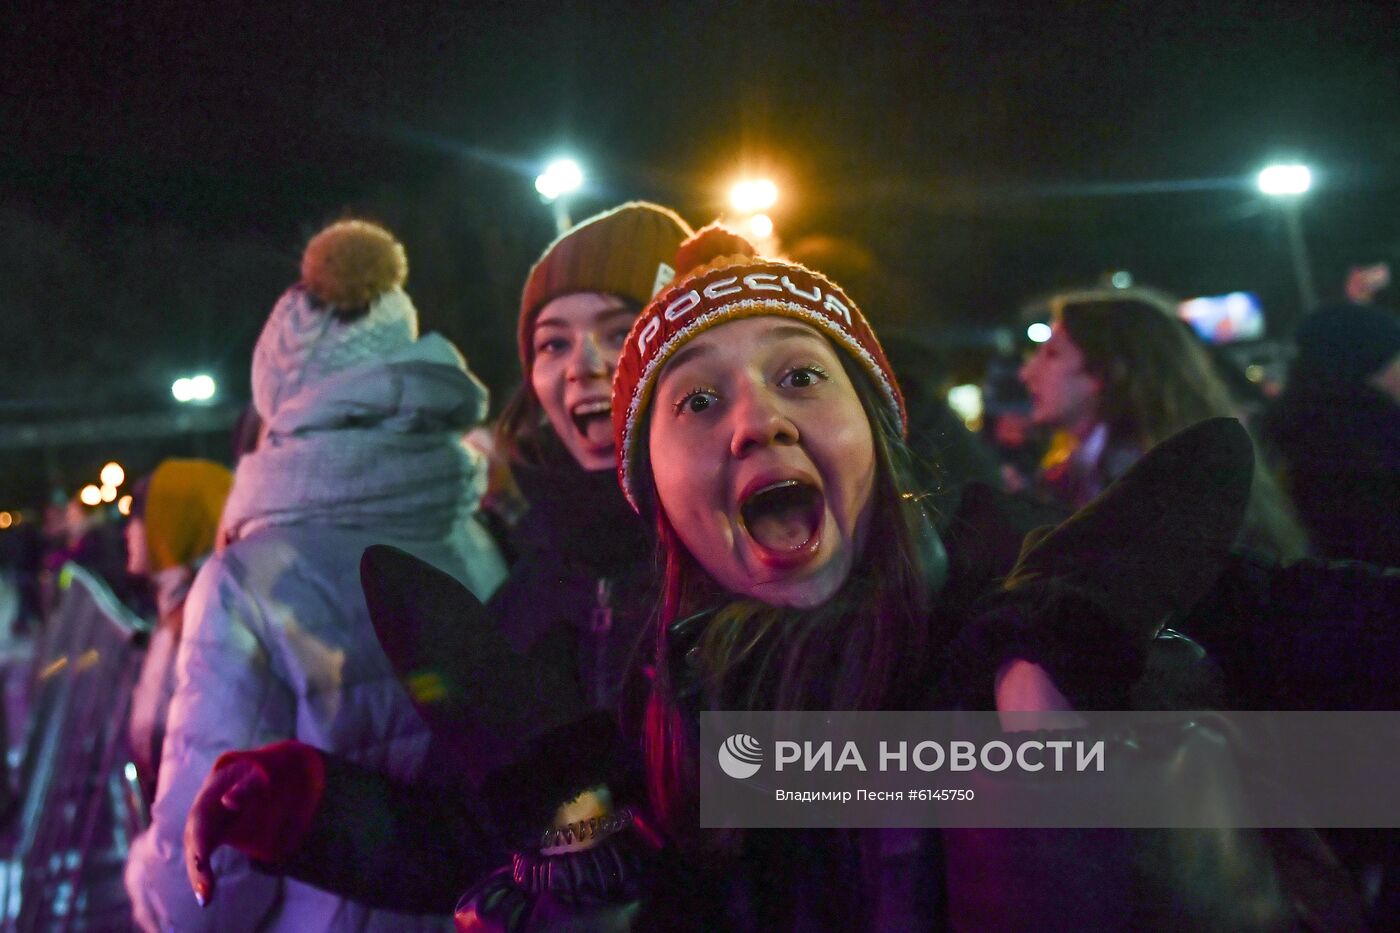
[(351, 263), (710, 243)]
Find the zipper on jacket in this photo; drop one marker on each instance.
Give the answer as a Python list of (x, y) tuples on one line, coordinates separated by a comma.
[(600, 622)]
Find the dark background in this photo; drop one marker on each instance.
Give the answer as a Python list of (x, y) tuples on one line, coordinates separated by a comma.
[(162, 164)]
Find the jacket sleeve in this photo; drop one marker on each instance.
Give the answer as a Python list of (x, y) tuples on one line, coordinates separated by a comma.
[(1312, 634), (227, 696), (404, 848)]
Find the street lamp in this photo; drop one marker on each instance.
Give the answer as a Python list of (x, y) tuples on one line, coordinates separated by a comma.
[(1286, 184), (753, 195), (560, 178), (198, 388)]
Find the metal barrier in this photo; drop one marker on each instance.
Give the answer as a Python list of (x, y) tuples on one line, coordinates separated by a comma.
[(80, 804)]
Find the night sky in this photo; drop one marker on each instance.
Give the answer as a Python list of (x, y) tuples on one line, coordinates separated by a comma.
[(162, 164)]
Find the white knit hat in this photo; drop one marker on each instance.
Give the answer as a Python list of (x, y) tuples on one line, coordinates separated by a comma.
[(349, 307)]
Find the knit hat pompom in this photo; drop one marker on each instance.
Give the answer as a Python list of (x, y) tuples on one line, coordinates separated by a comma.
[(712, 245), (351, 263)]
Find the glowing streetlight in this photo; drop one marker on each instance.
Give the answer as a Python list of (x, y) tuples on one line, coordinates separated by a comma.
[(124, 505), (753, 195), (199, 388), (1285, 180), (761, 226), (1038, 332), (1286, 184), (112, 474), (90, 495), (560, 178), (107, 493)]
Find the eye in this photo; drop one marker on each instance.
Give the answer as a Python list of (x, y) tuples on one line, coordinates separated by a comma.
[(696, 401), (618, 337), (803, 377), (551, 345)]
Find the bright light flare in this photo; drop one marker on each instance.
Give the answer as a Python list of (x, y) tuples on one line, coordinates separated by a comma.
[(112, 474), (761, 226), (1285, 180), (6, 520), (90, 495), (124, 505), (560, 177), (200, 388), (966, 400), (1038, 332), (107, 493), (1122, 279), (753, 195)]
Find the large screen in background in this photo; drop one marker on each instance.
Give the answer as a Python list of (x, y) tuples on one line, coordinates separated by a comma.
[(1225, 318)]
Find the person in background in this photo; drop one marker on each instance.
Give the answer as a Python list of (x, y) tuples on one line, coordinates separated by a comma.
[(360, 445), (174, 517), (1117, 376), (1336, 430)]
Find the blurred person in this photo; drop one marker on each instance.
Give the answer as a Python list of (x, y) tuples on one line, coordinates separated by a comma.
[(171, 532), (360, 444), (1336, 428), (1118, 375)]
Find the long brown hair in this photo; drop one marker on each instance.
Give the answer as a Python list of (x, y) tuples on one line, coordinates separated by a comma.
[(1157, 380), (867, 648)]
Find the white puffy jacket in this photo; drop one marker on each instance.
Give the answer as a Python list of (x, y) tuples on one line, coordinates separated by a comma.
[(277, 644)]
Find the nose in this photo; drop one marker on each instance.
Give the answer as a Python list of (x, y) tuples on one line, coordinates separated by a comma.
[(587, 361), (1024, 373), (759, 421)]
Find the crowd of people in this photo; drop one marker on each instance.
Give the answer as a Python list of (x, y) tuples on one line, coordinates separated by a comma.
[(711, 492)]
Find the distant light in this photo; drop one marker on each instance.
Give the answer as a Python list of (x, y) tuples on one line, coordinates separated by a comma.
[(1277, 180), (124, 505), (1122, 279), (560, 177), (1254, 372), (112, 474), (90, 495), (6, 520), (129, 770), (1038, 332), (761, 226), (966, 400), (200, 388), (751, 195), (107, 493)]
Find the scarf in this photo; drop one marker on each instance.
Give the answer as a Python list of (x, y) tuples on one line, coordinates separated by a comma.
[(375, 446)]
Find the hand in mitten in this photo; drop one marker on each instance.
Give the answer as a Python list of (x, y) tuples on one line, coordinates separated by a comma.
[(260, 802)]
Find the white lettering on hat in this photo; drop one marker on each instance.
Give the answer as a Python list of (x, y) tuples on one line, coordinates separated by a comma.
[(648, 332), (771, 280), (682, 306), (722, 287), (836, 306), (814, 296)]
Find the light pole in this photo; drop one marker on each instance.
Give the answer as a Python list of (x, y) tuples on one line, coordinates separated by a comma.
[(1287, 184), (560, 178)]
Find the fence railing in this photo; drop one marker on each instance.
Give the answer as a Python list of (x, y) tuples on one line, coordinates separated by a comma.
[(80, 803)]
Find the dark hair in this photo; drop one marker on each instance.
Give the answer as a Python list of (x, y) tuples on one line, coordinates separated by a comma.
[(1157, 379), (866, 648)]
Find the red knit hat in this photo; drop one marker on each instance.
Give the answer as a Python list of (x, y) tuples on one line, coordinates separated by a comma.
[(720, 278)]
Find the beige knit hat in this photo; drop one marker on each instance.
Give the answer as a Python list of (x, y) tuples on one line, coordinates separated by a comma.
[(626, 251)]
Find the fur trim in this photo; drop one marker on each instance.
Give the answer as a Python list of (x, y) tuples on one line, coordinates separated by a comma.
[(351, 263)]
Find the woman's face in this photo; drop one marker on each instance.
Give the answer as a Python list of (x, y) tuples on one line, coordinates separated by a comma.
[(763, 459), (577, 341), (1062, 394)]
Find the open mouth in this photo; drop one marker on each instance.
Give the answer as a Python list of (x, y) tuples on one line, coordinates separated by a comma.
[(594, 421), (783, 516)]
